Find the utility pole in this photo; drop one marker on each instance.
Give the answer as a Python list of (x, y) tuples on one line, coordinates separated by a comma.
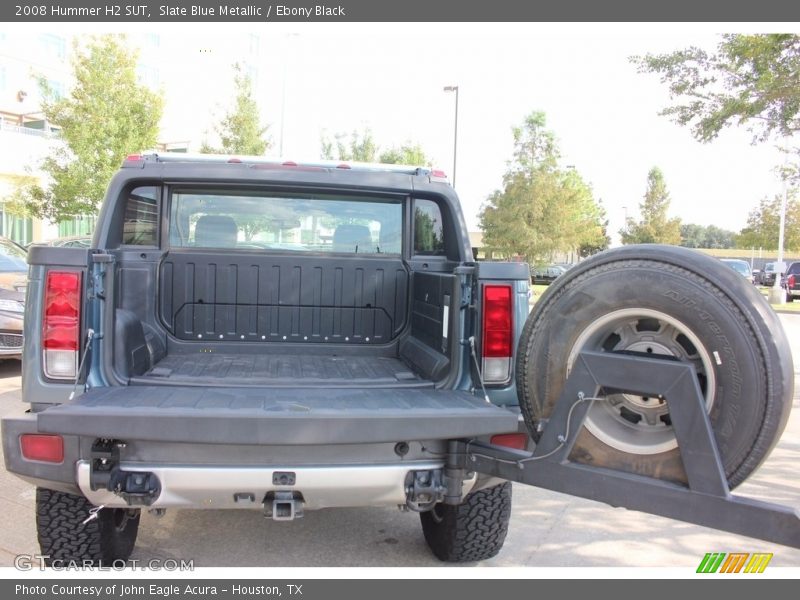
[(454, 88)]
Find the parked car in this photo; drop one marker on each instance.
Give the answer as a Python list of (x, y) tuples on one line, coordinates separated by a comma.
[(791, 282), (740, 266), (13, 281), (767, 276), (73, 241), (546, 275)]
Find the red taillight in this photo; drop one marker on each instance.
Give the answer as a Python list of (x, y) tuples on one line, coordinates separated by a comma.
[(343, 166), (289, 163), (498, 334), (46, 448), (61, 324), (134, 158), (790, 281), (235, 161), (438, 173), (496, 320), (517, 441)]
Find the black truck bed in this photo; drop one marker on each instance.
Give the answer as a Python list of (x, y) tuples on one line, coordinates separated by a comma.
[(276, 370)]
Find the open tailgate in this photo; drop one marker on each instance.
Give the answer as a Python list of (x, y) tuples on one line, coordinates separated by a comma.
[(220, 415)]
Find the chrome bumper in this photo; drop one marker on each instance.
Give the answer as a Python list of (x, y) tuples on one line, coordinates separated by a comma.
[(218, 487)]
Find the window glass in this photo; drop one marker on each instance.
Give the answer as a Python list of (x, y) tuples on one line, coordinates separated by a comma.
[(297, 223), (428, 237), (12, 257), (140, 226)]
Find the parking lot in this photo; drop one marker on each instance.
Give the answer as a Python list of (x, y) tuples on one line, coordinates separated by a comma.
[(547, 529)]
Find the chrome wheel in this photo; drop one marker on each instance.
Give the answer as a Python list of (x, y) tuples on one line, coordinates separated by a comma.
[(641, 424)]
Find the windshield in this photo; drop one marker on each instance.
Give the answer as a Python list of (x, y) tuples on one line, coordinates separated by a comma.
[(12, 257)]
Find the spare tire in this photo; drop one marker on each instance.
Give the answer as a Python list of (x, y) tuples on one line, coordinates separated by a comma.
[(662, 301)]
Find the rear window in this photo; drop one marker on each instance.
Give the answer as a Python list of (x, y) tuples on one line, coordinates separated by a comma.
[(428, 236), (289, 222), (140, 226)]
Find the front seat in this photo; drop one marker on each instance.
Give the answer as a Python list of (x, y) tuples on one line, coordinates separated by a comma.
[(215, 231), (353, 238)]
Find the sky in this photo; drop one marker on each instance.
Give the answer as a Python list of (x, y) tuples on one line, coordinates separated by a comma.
[(390, 78)]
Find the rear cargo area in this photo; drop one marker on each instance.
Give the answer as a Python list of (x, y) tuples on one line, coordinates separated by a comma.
[(284, 369), (245, 318)]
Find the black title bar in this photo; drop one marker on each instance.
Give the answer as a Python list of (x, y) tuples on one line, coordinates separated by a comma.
[(252, 11)]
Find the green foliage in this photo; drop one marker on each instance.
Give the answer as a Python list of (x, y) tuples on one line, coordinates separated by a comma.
[(655, 227), (751, 79), (406, 154), (240, 130), (541, 208), (763, 223), (599, 242), (706, 236), (106, 116), (357, 147), (361, 147), (426, 236)]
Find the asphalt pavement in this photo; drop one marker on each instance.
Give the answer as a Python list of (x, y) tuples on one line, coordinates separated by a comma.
[(547, 529)]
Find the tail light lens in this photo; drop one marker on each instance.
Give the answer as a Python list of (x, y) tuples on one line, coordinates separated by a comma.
[(517, 441), (497, 333), (61, 326), (790, 281), (45, 448)]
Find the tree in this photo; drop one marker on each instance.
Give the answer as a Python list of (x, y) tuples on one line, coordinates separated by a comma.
[(406, 154), (763, 223), (361, 147), (710, 236), (541, 208), (655, 226), (357, 147), (599, 242), (751, 79), (106, 116), (240, 130)]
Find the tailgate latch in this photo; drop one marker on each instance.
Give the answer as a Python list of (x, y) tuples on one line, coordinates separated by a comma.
[(137, 488)]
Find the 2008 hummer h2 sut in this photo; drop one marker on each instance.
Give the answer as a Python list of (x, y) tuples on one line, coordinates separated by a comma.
[(284, 337)]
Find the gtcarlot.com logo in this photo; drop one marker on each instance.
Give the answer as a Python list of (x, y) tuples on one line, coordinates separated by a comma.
[(29, 562), (734, 562)]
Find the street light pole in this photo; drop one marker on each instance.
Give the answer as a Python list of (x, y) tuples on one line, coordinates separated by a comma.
[(289, 36), (777, 294), (454, 88)]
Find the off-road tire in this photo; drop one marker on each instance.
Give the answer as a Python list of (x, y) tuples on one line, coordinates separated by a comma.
[(750, 358), (63, 538), (472, 531)]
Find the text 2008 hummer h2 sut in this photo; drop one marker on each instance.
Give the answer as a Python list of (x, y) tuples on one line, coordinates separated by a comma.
[(284, 337)]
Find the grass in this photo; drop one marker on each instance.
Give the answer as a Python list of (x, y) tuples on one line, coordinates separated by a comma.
[(793, 307)]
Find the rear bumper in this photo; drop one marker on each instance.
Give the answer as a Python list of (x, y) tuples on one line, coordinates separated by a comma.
[(344, 456), (234, 487)]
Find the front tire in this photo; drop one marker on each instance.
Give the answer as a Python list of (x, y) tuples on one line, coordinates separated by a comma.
[(63, 538), (661, 301), (472, 531)]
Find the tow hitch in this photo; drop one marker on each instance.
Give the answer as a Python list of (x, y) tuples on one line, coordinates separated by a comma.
[(705, 501), (136, 488), (283, 505)]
